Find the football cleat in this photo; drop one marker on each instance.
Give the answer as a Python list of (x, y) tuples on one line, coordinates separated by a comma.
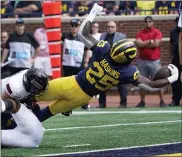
[(68, 113)]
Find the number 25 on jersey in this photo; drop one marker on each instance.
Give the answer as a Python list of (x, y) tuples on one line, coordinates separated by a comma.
[(104, 80)]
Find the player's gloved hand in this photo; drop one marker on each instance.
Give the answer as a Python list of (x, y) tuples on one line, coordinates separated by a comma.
[(96, 9), (68, 113), (174, 73)]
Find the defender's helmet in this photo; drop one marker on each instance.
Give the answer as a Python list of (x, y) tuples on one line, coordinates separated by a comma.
[(35, 81), (123, 51)]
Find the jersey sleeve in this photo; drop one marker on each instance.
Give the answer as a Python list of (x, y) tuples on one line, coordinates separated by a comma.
[(102, 47), (35, 43), (14, 86), (131, 75), (158, 35)]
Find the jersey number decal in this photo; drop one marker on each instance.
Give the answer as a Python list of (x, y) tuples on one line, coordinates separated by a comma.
[(101, 43), (105, 81), (136, 75)]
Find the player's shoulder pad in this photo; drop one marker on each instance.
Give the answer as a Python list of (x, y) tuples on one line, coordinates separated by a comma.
[(102, 45)]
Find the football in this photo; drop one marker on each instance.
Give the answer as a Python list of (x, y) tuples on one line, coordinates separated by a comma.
[(162, 73)]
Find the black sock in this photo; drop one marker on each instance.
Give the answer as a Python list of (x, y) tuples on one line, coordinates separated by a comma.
[(44, 114)]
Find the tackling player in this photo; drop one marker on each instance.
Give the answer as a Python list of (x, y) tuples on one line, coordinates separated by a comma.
[(19, 86), (26, 125), (29, 131), (112, 69)]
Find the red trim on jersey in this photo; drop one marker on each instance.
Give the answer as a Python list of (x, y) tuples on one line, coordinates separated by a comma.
[(8, 89)]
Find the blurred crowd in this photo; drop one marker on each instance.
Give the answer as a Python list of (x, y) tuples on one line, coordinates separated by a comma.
[(19, 8)]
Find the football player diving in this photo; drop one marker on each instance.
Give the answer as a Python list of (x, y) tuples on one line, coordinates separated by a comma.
[(112, 69), (24, 124)]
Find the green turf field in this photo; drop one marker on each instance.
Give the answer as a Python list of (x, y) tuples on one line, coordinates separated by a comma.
[(106, 129)]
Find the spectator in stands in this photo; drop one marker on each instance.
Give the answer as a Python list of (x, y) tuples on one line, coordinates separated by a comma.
[(112, 36), (175, 49), (148, 42), (67, 8), (6, 9), (173, 6), (42, 60), (28, 9), (82, 8), (145, 8), (161, 7), (110, 7), (19, 46), (4, 69), (126, 8), (73, 51), (166, 7), (4, 38), (96, 34)]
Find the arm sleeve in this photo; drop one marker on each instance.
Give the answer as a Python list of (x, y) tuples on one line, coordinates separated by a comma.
[(102, 47), (158, 35), (133, 74), (35, 43)]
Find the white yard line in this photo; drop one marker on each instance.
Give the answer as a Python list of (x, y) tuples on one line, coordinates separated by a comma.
[(127, 112), (102, 150), (78, 145), (112, 125)]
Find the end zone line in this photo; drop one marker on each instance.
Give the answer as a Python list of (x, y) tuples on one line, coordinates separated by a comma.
[(124, 112), (102, 150), (112, 125), (78, 145)]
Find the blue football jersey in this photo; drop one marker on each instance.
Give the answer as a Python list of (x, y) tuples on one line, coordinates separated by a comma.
[(102, 74)]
